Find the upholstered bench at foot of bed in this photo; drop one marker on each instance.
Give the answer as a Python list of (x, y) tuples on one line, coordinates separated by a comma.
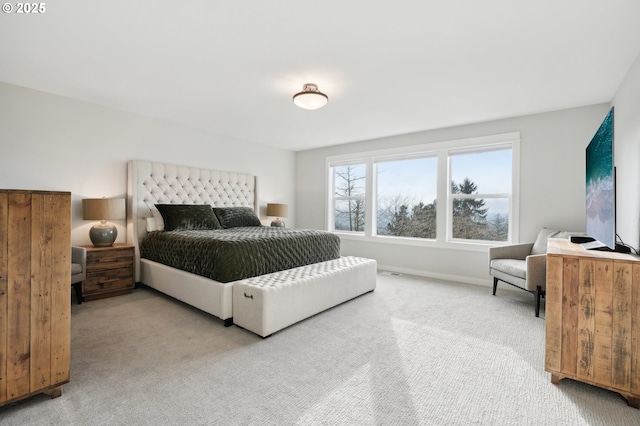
[(268, 303)]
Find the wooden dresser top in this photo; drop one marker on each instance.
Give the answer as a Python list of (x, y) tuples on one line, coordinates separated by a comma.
[(563, 247)]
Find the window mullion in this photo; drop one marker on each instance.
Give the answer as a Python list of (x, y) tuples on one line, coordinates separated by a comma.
[(370, 202), (442, 210), (472, 196), (514, 200), (330, 212)]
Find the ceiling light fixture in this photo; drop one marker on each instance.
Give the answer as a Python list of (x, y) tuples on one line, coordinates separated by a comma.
[(310, 97)]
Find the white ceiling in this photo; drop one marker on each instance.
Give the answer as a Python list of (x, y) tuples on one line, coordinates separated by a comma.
[(388, 67)]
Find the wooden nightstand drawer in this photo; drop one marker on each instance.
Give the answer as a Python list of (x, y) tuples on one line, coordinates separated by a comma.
[(111, 259), (108, 280), (109, 271)]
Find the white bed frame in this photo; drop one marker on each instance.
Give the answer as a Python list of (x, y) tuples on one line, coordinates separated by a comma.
[(151, 183)]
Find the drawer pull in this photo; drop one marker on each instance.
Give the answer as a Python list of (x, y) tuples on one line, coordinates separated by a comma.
[(108, 281)]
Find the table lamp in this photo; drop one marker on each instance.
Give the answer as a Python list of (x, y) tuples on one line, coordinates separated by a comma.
[(103, 234), (277, 211)]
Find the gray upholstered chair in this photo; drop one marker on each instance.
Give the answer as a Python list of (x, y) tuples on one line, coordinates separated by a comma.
[(524, 265), (78, 270)]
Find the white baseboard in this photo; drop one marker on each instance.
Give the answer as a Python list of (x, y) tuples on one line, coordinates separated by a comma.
[(446, 277)]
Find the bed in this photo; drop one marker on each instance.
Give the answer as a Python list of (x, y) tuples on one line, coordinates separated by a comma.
[(241, 252)]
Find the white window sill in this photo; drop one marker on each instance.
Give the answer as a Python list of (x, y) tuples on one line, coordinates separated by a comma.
[(481, 246)]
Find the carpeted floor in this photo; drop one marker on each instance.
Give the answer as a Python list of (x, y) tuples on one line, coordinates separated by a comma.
[(414, 352)]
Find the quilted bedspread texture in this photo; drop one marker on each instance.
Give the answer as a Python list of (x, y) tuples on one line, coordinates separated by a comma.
[(233, 254)]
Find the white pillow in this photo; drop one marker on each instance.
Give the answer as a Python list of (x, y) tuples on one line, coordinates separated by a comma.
[(153, 224)]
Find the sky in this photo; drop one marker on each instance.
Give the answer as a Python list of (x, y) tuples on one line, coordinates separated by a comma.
[(416, 178)]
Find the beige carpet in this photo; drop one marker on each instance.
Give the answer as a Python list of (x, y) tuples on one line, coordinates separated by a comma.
[(414, 352)]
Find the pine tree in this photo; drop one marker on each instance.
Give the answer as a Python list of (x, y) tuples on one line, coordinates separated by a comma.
[(499, 228), (419, 222), (469, 214), (469, 218), (400, 224), (424, 220)]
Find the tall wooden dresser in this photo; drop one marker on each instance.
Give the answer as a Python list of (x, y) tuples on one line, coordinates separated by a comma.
[(593, 318), (35, 293)]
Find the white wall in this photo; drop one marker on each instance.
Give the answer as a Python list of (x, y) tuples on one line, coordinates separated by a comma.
[(626, 134), (552, 187), (49, 142)]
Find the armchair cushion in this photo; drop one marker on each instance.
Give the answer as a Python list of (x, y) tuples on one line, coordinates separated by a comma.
[(76, 268), (511, 267), (78, 264)]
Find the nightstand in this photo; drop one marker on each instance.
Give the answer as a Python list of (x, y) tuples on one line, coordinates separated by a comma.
[(109, 271)]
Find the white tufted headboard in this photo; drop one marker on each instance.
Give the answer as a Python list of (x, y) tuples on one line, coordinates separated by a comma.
[(151, 183)]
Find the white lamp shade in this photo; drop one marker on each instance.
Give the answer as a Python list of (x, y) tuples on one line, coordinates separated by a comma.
[(310, 97)]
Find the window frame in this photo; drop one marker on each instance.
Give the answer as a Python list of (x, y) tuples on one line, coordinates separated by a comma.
[(442, 151), (333, 198), (397, 157), (489, 195)]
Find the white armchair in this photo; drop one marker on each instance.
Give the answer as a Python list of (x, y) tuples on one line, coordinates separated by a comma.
[(524, 265)]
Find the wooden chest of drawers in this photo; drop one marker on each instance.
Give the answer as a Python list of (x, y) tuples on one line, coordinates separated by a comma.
[(35, 298), (593, 318), (109, 271)]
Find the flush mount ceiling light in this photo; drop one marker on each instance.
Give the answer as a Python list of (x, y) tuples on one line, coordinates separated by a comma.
[(310, 97)]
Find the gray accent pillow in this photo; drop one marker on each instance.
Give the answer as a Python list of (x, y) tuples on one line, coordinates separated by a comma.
[(234, 217), (182, 217), (540, 246)]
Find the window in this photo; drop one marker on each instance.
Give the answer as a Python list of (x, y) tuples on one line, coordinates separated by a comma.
[(406, 197), (480, 193), (461, 191), (348, 191)]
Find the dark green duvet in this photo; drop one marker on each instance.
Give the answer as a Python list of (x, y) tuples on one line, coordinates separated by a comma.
[(233, 254)]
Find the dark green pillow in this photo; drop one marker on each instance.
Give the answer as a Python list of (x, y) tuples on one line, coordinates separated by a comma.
[(182, 217), (233, 217)]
